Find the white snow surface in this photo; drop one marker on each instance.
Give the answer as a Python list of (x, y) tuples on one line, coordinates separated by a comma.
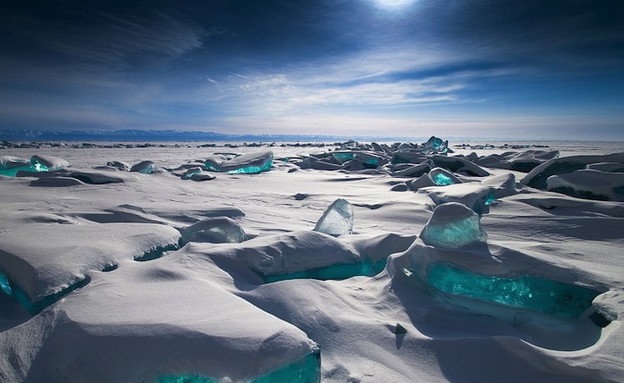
[(205, 310)]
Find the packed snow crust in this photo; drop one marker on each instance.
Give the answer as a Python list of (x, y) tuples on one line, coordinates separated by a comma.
[(113, 275)]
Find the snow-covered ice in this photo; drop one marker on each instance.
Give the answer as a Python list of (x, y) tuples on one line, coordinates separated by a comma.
[(267, 274)]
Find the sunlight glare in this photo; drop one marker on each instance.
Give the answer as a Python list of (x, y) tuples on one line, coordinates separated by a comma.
[(393, 4)]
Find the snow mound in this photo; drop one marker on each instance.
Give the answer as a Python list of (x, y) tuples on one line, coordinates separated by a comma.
[(557, 166), (47, 259), (151, 323), (284, 253), (590, 184)]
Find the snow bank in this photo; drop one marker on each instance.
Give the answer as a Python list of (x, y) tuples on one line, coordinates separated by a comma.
[(46, 259)]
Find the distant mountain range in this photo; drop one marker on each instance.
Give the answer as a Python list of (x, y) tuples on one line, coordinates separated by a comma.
[(152, 135)]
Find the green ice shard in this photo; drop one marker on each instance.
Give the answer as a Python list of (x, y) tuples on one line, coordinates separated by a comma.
[(5, 286), (442, 179)]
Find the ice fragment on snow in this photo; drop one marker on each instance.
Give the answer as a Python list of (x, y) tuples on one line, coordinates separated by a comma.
[(145, 167), (10, 166), (250, 163), (420, 182), (443, 177), (119, 165), (48, 162), (453, 225), (96, 177), (337, 219), (502, 185), (191, 172), (214, 230), (547, 296)]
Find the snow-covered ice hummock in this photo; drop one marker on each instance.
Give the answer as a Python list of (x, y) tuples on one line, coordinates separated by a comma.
[(590, 176), (154, 323), (589, 183), (498, 281), (47, 261), (296, 255)]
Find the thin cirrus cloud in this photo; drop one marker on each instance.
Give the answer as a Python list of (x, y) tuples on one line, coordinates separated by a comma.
[(351, 64)]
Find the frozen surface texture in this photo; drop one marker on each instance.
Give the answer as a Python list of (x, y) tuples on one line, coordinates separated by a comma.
[(108, 275), (337, 219), (453, 225)]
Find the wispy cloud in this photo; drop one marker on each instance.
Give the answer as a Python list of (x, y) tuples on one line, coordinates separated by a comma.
[(111, 40)]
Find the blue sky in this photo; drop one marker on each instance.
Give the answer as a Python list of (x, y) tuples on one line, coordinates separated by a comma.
[(509, 69)]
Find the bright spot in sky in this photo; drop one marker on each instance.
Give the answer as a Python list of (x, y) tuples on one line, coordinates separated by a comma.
[(393, 4)]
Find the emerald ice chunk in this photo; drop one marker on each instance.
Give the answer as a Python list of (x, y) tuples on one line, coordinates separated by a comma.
[(5, 286), (441, 179), (547, 296), (250, 163), (453, 225)]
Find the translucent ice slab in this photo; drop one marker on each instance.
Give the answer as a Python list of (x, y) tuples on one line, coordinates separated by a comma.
[(337, 219), (453, 225), (547, 296)]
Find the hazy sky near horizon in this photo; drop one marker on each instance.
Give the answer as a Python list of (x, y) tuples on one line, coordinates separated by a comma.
[(511, 69)]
